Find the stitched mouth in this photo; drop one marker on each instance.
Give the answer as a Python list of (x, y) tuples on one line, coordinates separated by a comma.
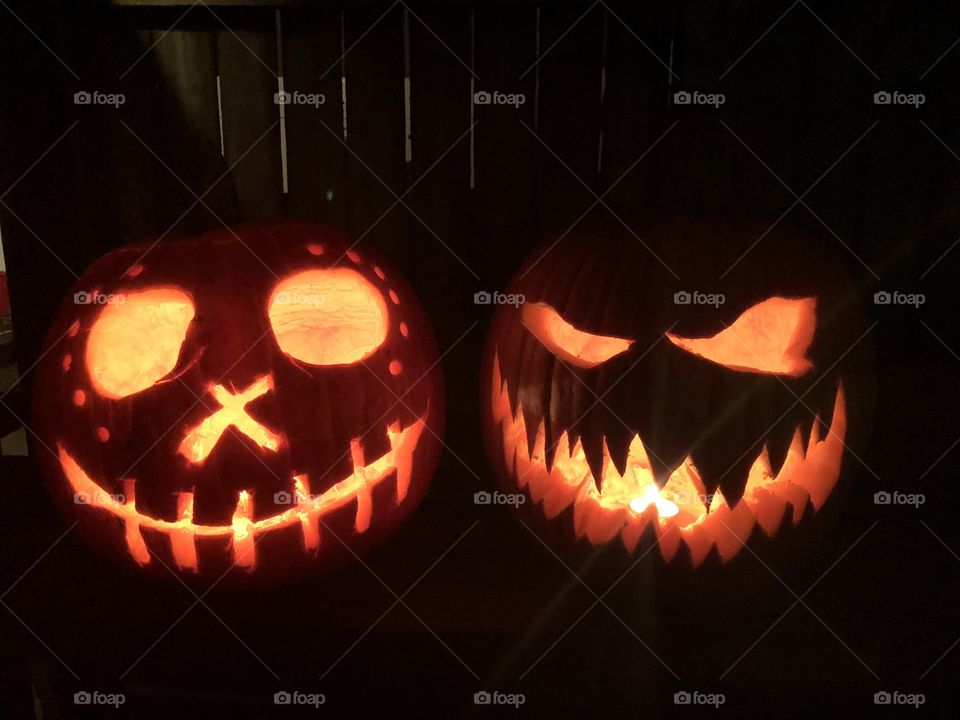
[(304, 509), (680, 511)]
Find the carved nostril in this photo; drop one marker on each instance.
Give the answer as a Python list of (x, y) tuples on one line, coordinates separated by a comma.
[(201, 439)]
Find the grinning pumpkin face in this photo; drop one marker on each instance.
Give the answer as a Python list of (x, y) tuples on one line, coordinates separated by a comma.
[(252, 403), (673, 401)]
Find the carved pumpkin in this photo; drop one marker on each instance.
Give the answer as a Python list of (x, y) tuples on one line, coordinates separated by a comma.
[(253, 401), (645, 393)]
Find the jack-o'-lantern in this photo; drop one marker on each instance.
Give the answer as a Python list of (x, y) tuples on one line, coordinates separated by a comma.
[(688, 386), (258, 402)]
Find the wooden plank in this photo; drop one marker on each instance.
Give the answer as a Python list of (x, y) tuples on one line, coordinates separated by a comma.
[(247, 64), (504, 150), (315, 159), (375, 126), (571, 43), (635, 100)]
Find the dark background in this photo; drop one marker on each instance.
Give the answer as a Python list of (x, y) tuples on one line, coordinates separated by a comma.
[(798, 81)]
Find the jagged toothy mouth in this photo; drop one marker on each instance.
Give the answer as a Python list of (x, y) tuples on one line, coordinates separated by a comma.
[(679, 511), (305, 510)]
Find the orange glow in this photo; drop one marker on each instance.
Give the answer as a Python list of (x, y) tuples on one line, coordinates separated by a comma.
[(199, 441), (307, 510), (135, 343), (328, 317), (770, 337), (573, 345), (681, 509)]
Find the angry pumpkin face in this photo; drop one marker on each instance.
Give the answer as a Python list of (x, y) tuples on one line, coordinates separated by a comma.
[(261, 402), (679, 388)]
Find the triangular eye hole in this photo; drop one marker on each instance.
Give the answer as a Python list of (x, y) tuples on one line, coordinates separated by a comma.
[(328, 317), (570, 344), (770, 337)]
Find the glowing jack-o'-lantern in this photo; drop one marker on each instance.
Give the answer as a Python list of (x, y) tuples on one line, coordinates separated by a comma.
[(260, 402), (682, 389)]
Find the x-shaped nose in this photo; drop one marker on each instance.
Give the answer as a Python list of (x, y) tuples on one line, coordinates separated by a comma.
[(200, 440)]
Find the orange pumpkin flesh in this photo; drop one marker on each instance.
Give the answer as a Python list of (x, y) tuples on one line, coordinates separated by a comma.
[(627, 416), (259, 404)]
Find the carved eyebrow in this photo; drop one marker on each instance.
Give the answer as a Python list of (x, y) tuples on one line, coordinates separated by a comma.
[(567, 342), (771, 337)]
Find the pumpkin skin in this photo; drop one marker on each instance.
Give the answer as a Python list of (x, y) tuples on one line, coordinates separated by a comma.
[(698, 444), (236, 415)]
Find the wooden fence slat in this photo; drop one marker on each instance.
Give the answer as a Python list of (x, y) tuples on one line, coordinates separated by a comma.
[(375, 127), (315, 160), (504, 151), (247, 64)]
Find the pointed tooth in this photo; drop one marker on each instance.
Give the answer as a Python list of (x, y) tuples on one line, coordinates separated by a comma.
[(814, 433), (636, 526), (583, 508), (618, 443), (669, 536), (768, 508), (604, 523), (594, 450), (822, 467), (730, 529), (760, 472), (698, 542)]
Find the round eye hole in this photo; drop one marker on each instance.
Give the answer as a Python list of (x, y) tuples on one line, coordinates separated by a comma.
[(136, 340), (328, 317)]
